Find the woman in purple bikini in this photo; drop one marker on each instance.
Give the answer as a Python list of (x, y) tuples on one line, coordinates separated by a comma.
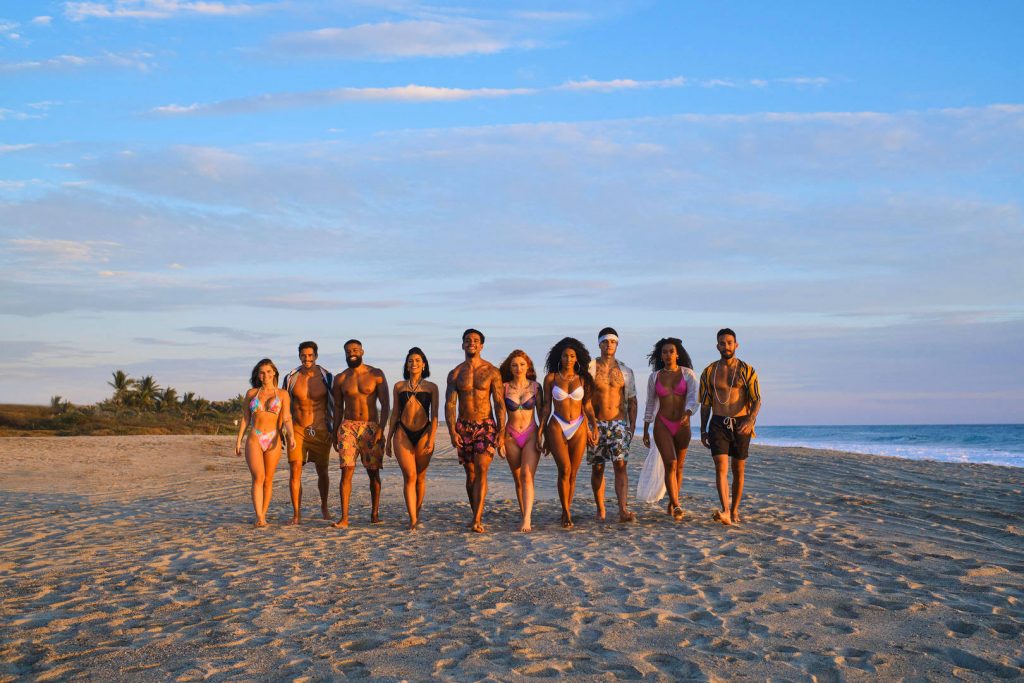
[(671, 400), (266, 415), (523, 400)]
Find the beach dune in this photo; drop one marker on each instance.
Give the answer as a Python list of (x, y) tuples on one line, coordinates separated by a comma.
[(135, 558)]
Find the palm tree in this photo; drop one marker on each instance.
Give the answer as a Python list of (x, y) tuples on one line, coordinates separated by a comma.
[(123, 385), (58, 406), (146, 391), (168, 399)]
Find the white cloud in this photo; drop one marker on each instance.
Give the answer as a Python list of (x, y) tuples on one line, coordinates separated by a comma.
[(7, 149), (42, 20), (412, 93), (64, 251), (158, 9), (136, 60), (390, 40)]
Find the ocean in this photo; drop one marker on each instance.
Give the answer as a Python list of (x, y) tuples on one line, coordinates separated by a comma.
[(990, 444)]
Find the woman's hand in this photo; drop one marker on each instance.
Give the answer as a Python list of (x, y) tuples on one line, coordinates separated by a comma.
[(387, 447), (647, 439), (238, 447)]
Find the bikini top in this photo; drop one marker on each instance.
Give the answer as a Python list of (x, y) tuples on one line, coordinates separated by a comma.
[(422, 396), (559, 394), (678, 390), (513, 406), (271, 406)]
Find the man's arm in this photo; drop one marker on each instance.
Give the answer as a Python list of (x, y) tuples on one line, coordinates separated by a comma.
[(498, 404), (451, 401), (705, 415), (385, 404), (339, 406), (631, 404)]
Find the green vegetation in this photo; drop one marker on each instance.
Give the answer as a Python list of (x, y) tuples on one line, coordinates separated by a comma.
[(137, 406)]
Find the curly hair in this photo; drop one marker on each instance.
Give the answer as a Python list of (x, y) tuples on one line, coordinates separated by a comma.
[(426, 364), (554, 360), (654, 357), (254, 378), (506, 366)]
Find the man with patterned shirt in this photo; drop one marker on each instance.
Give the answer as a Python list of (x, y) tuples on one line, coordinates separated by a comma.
[(730, 396), (614, 401)]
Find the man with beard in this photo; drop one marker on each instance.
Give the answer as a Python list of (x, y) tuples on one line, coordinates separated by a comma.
[(360, 429), (309, 386), (614, 401), (473, 386), (731, 396)]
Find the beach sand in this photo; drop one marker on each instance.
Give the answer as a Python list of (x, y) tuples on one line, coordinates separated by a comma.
[(134, 558)]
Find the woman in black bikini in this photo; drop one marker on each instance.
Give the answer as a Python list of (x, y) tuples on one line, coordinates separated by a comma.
[(412, 427)]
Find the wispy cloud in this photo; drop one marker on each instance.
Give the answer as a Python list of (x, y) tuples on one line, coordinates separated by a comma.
[(134, 60), (43, 20), (397, 40), (7, 149), (232, 333), (410, 93), (159, 9), (63, 251)]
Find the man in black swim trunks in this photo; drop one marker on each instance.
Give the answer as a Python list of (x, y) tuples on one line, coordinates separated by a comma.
[(731, 397), (475, 396)]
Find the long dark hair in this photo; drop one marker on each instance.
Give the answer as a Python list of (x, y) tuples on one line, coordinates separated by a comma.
[(506, 366), (654, 357), (554, 360), (254, 378), (426, 364)]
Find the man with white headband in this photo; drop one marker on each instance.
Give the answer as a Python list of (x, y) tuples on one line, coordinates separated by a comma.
[(614, 401)]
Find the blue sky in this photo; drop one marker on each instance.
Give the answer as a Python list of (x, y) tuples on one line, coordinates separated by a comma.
[(186, 187)]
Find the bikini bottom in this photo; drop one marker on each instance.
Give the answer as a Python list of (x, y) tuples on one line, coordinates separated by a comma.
[(522, 437), (414, 435), (568, 428)]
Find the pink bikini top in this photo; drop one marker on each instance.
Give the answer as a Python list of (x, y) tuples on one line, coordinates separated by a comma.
[(271, 406), (678, 390)]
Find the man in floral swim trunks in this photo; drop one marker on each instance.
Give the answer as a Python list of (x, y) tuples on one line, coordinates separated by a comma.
[(360, 429), (614, 401), (474, 395)]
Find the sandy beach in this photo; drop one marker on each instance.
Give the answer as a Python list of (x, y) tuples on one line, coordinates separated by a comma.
[(133, 558)]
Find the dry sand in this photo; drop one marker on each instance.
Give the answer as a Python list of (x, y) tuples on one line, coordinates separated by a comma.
[(133, 558)]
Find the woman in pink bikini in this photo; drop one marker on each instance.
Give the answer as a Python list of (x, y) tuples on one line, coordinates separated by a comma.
[(671, 400), (266, 415), (523, 400), (567, 416)]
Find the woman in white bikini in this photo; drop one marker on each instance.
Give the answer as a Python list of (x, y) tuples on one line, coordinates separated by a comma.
[(266, 415), (568, 417)]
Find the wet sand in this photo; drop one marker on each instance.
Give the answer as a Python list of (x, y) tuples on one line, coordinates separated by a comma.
[(134, 558)]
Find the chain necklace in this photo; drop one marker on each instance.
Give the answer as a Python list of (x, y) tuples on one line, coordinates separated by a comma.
[(415, 388), (732, 383)]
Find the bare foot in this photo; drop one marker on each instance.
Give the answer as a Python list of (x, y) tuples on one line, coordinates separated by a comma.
[(412, 525), (375, 518), (526, 528), (341, 524), (600, 513), (677, 513), (627, 516), (324, 511), (721, 517), (567, 522), (260, 523), (294, 521), (477, 527), (736, 517)]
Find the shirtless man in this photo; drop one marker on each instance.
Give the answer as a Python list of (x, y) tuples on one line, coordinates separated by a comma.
[(360, 427), (731, 396), (309, 386), (614, 401), (474, 396)]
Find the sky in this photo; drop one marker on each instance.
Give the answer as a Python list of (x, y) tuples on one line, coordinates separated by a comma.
[(187, 187)]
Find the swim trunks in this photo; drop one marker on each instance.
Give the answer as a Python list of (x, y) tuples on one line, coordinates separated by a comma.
[(477, 438), (724, 437), (613, 439), (359, 438), (316, 448)]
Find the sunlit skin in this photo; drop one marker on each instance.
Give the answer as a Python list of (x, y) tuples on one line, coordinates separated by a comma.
[(610, 403), (737, 404), (567, 456), (672, 407), (473, 393), (262, 464), (357, 391), (523, 461), (413, 458), (309, 410)]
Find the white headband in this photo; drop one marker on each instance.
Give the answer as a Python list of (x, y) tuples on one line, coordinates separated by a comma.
[(606, 337)]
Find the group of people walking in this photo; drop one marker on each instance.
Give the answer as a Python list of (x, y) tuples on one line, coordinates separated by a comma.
[(583, 406)]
